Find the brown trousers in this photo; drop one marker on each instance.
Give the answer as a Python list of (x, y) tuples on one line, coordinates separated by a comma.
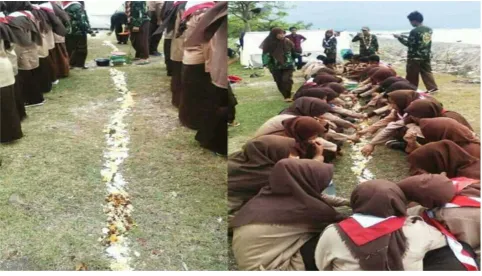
[(10, 126), (154, 40), (140, 41), (423, 68), (167, 56), (284, 81)]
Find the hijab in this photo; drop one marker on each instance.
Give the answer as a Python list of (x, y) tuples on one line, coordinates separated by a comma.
[(213, 27), (382, 74), (292, 197), (384, 85), (424, 109), (431, 108), (52, 22), (25, 32), (316, 92), (249, 169), (301, 129), (307, 106), (326, 70), (326, 78), (444, 156), (429, 190), (400, 85), (338, 88), (170, 16), (437, 129), (379, 198), (402, 99), (275, 47)]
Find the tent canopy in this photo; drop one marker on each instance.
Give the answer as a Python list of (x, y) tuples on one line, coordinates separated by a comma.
[(99, 12), (251, 53)]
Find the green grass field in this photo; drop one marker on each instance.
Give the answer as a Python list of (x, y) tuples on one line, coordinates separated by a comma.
[(51, 191)]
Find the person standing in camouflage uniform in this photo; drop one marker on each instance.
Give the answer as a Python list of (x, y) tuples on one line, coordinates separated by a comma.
[(419, 54), (138, 23), (76, 39), (329, 43), (278, 56), (368, 42)]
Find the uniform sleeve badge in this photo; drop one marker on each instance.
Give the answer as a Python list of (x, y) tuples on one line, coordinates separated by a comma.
[(426, 38)]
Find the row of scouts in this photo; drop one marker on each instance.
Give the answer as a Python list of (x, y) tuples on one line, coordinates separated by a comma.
[(284, 213)]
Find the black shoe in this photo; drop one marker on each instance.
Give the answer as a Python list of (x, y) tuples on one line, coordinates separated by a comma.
[(433, 91), (118, 42), (156, 54), (396, 145)]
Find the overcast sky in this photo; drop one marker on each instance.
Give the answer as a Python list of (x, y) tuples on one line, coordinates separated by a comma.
[(352, 16)]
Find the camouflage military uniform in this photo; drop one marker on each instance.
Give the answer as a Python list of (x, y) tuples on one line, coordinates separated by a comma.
[(137, 13), (371, 48), (139, 24), (330, 47), (419, 54), (282, 73), (76, 39), (79, 22)]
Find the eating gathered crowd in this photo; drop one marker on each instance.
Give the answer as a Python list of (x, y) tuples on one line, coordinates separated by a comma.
[(42, 41), (283, 212)]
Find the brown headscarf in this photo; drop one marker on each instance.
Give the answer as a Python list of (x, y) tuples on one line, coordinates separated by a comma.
[(444, 156), (429, 190), (382, 74), (301, 129), (338, 88), (326, 70), (275, 47), (249, 169), (431, 108), (436, 129), (317, 92), (292, 197), (402, 99), (424, 109), (384, 85), (380, 198), (307, 106), (326, 78), (213, 27), (401, 85), (24, 31)]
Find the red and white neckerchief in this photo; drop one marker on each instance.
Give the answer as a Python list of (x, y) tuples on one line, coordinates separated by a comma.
[(310, 83), (195, 8), (3, 18), (460, 253), (27, 14), (461, 183), (402, 117), (46, 7), (363, 229)]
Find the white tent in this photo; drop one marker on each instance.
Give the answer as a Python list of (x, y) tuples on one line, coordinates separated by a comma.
[(251, 53), (99, 12)]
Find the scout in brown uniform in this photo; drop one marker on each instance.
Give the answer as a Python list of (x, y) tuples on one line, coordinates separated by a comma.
[(154, 12)]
